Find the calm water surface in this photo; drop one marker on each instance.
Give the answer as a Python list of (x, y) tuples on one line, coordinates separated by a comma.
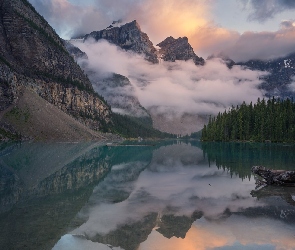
[(169, 195)]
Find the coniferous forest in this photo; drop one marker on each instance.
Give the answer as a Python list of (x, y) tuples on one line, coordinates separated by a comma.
[(272, 120)]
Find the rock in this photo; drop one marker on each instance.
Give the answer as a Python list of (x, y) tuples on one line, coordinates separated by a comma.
[(275, 177), (178, 49), (129, 37)]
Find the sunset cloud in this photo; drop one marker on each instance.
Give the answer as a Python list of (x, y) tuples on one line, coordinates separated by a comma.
[(264, 45), (191, 18)]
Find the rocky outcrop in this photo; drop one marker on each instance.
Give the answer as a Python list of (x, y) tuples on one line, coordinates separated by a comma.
[(129, 37), (178, 49), (33, 56), (275, 177)]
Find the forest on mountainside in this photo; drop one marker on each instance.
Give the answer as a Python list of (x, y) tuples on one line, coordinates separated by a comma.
[(272, 120)]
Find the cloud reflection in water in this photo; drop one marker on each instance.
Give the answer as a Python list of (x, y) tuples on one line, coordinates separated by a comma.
[(175, 186)]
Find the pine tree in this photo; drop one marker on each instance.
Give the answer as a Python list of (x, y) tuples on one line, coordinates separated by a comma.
[(272, 120)]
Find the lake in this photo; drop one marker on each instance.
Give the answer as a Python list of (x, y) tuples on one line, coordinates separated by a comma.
[(150, 196)]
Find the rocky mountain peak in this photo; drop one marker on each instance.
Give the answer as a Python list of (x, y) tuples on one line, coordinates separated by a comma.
[(172, 49), (129, 37)]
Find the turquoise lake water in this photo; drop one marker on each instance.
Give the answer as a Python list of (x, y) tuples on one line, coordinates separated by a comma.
[(172, 195)]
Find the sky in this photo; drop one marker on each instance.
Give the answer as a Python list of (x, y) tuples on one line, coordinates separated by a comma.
[(212, 26)]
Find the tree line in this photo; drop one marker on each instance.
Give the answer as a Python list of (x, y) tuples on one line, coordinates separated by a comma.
[(272, 120)]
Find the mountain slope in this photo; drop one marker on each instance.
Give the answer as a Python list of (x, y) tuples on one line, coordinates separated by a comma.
[(32, 56), (119, 93), (282, 73), (34, 118)]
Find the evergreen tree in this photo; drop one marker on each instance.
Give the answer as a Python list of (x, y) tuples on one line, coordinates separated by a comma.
[(272, 120)]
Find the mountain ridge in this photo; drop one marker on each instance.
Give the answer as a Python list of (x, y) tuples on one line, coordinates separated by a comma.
[(32, 56), (128, 37)]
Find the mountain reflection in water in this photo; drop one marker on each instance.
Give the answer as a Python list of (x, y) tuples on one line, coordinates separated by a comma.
[(173, 195)]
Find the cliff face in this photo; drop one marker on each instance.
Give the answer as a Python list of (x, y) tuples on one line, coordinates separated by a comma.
[(74, 51), (33, 56), (119, 93), (128, 37), (178, 49)]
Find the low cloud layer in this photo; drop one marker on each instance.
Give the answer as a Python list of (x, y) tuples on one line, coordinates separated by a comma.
[(179, 87)]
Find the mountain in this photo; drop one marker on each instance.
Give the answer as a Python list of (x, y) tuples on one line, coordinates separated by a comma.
[(74, 51), (119, 94), (172, 49), (128, 37), (35, 62), (118, 91), (282, 72), (129, 117), (228, 61)]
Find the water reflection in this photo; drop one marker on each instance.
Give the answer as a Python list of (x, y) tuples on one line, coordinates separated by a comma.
[(238, 158), (177, 202), (43, 187), (174, 195)]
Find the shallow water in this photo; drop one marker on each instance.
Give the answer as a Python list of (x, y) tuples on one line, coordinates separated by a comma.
[(169, 195)]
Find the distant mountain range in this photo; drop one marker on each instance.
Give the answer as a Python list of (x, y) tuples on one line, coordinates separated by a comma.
[(282, 73), (129, 37)]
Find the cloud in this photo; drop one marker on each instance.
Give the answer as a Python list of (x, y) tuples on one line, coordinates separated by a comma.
[(179, 87), (211, 39), (267, 9), (291, 86), (264, 45), (288, 24), (159, 18), (69, 19)]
